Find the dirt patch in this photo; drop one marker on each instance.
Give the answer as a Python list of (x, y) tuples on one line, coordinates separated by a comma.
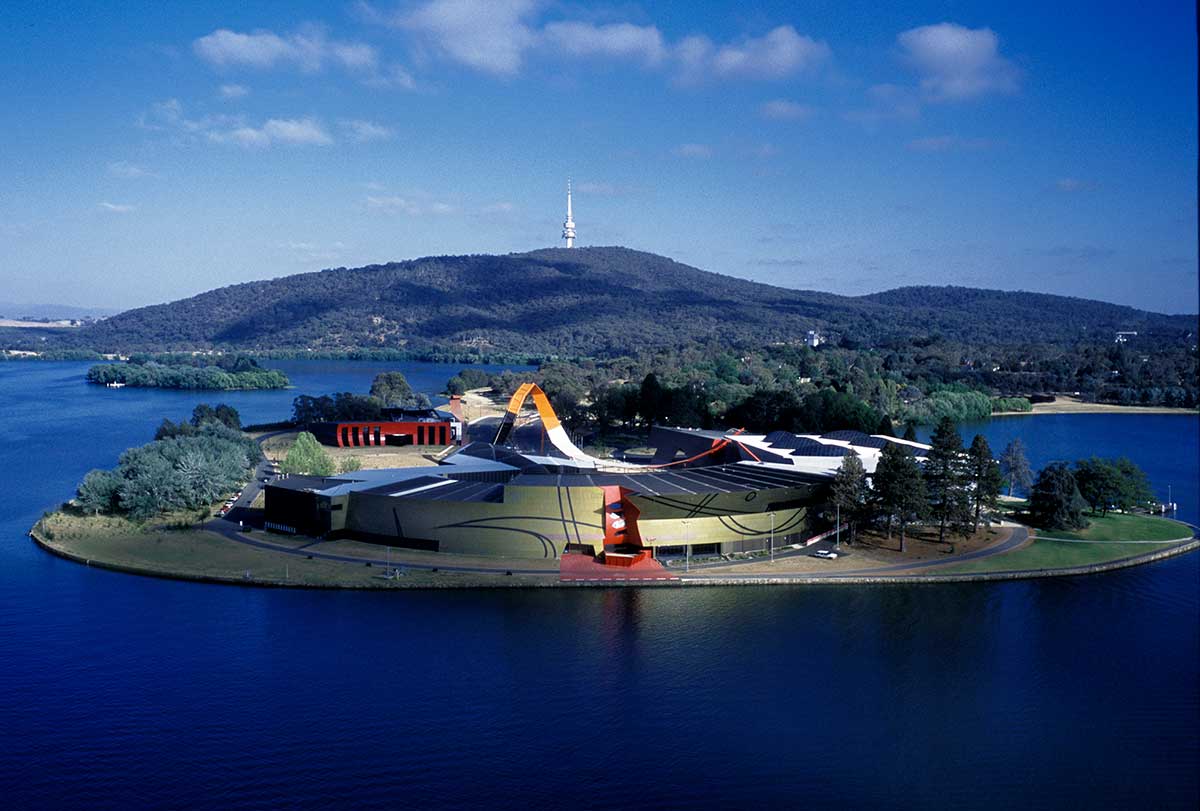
[(1073, 405), (371, 458)]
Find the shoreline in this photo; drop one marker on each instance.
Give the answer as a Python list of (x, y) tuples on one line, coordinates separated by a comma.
[(1071, 405), (433, 579)]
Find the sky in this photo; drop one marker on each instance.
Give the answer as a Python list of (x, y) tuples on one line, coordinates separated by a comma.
[(151, 151)]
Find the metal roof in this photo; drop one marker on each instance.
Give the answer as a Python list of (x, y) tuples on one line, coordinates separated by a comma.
[(733, 478)]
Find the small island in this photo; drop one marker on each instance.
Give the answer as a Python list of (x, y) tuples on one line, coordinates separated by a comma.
[(206, 372), (206, 501)]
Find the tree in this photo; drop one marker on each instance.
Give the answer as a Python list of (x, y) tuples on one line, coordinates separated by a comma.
[(910, 432), (307, 457), (850, 492), (985, 479), (946, 479), (885, 427), (1099, 483), (651, 399), (1015, 466), (349, 464), (1055, 502), (392, 390), (899, 487), (98, 492), (1135, 488), (1107, 483), (227, 415)]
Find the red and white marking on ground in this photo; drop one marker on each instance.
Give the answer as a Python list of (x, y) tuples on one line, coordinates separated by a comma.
[(585, 569)]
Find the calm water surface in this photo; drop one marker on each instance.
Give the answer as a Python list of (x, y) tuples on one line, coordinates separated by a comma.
[(119, 691)]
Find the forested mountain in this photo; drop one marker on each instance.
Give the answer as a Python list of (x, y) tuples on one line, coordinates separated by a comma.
[(588, 301)]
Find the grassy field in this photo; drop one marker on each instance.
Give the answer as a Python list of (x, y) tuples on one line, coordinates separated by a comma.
[(1044, 554), (1124, 527), (199, 554)]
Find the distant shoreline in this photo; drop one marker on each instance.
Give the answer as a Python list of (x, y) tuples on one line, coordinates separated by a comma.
[(1071, 405)]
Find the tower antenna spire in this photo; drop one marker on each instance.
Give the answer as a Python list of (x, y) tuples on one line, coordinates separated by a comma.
[(569, 223)]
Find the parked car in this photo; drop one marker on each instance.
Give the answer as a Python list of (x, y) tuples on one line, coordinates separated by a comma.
[(825, 554)]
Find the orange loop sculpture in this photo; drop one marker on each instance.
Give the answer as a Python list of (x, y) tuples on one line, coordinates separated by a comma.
[(558, 435)]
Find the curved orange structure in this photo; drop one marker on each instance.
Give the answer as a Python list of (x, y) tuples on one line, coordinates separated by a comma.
[(545, 411), (558, 435)]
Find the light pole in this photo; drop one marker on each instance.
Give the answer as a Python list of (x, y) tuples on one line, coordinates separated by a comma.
[(837, 536), (687, 548), (772, 541)]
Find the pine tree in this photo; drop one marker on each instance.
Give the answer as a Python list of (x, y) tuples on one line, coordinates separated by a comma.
[(1055, 502), (946, 478), (910, 433), (899, 488), (1015, 466), (849, 491), (985, 479)]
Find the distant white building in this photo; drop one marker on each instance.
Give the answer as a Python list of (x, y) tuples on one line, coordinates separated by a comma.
[(1122, 337), (814, 339)]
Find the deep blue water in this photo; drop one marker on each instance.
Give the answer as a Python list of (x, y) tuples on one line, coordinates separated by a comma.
[(118, 691)]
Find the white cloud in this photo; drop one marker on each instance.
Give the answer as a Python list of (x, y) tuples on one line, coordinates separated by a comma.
[(242, 136), (618, 40), (494, 36), (129, 171), (404, 205), (784, 110), (117, 208), (956, 63), (233, 91), (364, 131), (781, 52), (308, 252), (502, 207), (308, 49), (392, 76), (299, 131), (694, 151), (487, 35)]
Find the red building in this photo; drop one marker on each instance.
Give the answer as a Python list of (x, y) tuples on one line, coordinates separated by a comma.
[(407, 426)]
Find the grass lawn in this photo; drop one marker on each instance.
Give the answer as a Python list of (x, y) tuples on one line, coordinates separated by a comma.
[(1124, 527), (1044, 554), (199, 553)]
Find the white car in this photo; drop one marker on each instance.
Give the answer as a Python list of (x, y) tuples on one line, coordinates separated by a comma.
[(825, 554)]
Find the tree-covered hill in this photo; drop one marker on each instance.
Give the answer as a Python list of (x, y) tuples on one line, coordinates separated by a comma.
[(586, 301)]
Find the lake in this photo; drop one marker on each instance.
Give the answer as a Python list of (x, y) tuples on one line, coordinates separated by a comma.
[(118, 691)]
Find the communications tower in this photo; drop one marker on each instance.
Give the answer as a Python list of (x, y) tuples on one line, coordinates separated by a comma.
[(569, 222)]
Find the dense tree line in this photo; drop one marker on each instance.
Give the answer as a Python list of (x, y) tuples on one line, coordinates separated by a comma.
[(956, 487), (608, 302), (388, 390), (1063, 494), (223, 374), (202, 415), (182, 471)]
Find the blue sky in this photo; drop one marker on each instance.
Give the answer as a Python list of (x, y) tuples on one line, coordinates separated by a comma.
[(152, 151)]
